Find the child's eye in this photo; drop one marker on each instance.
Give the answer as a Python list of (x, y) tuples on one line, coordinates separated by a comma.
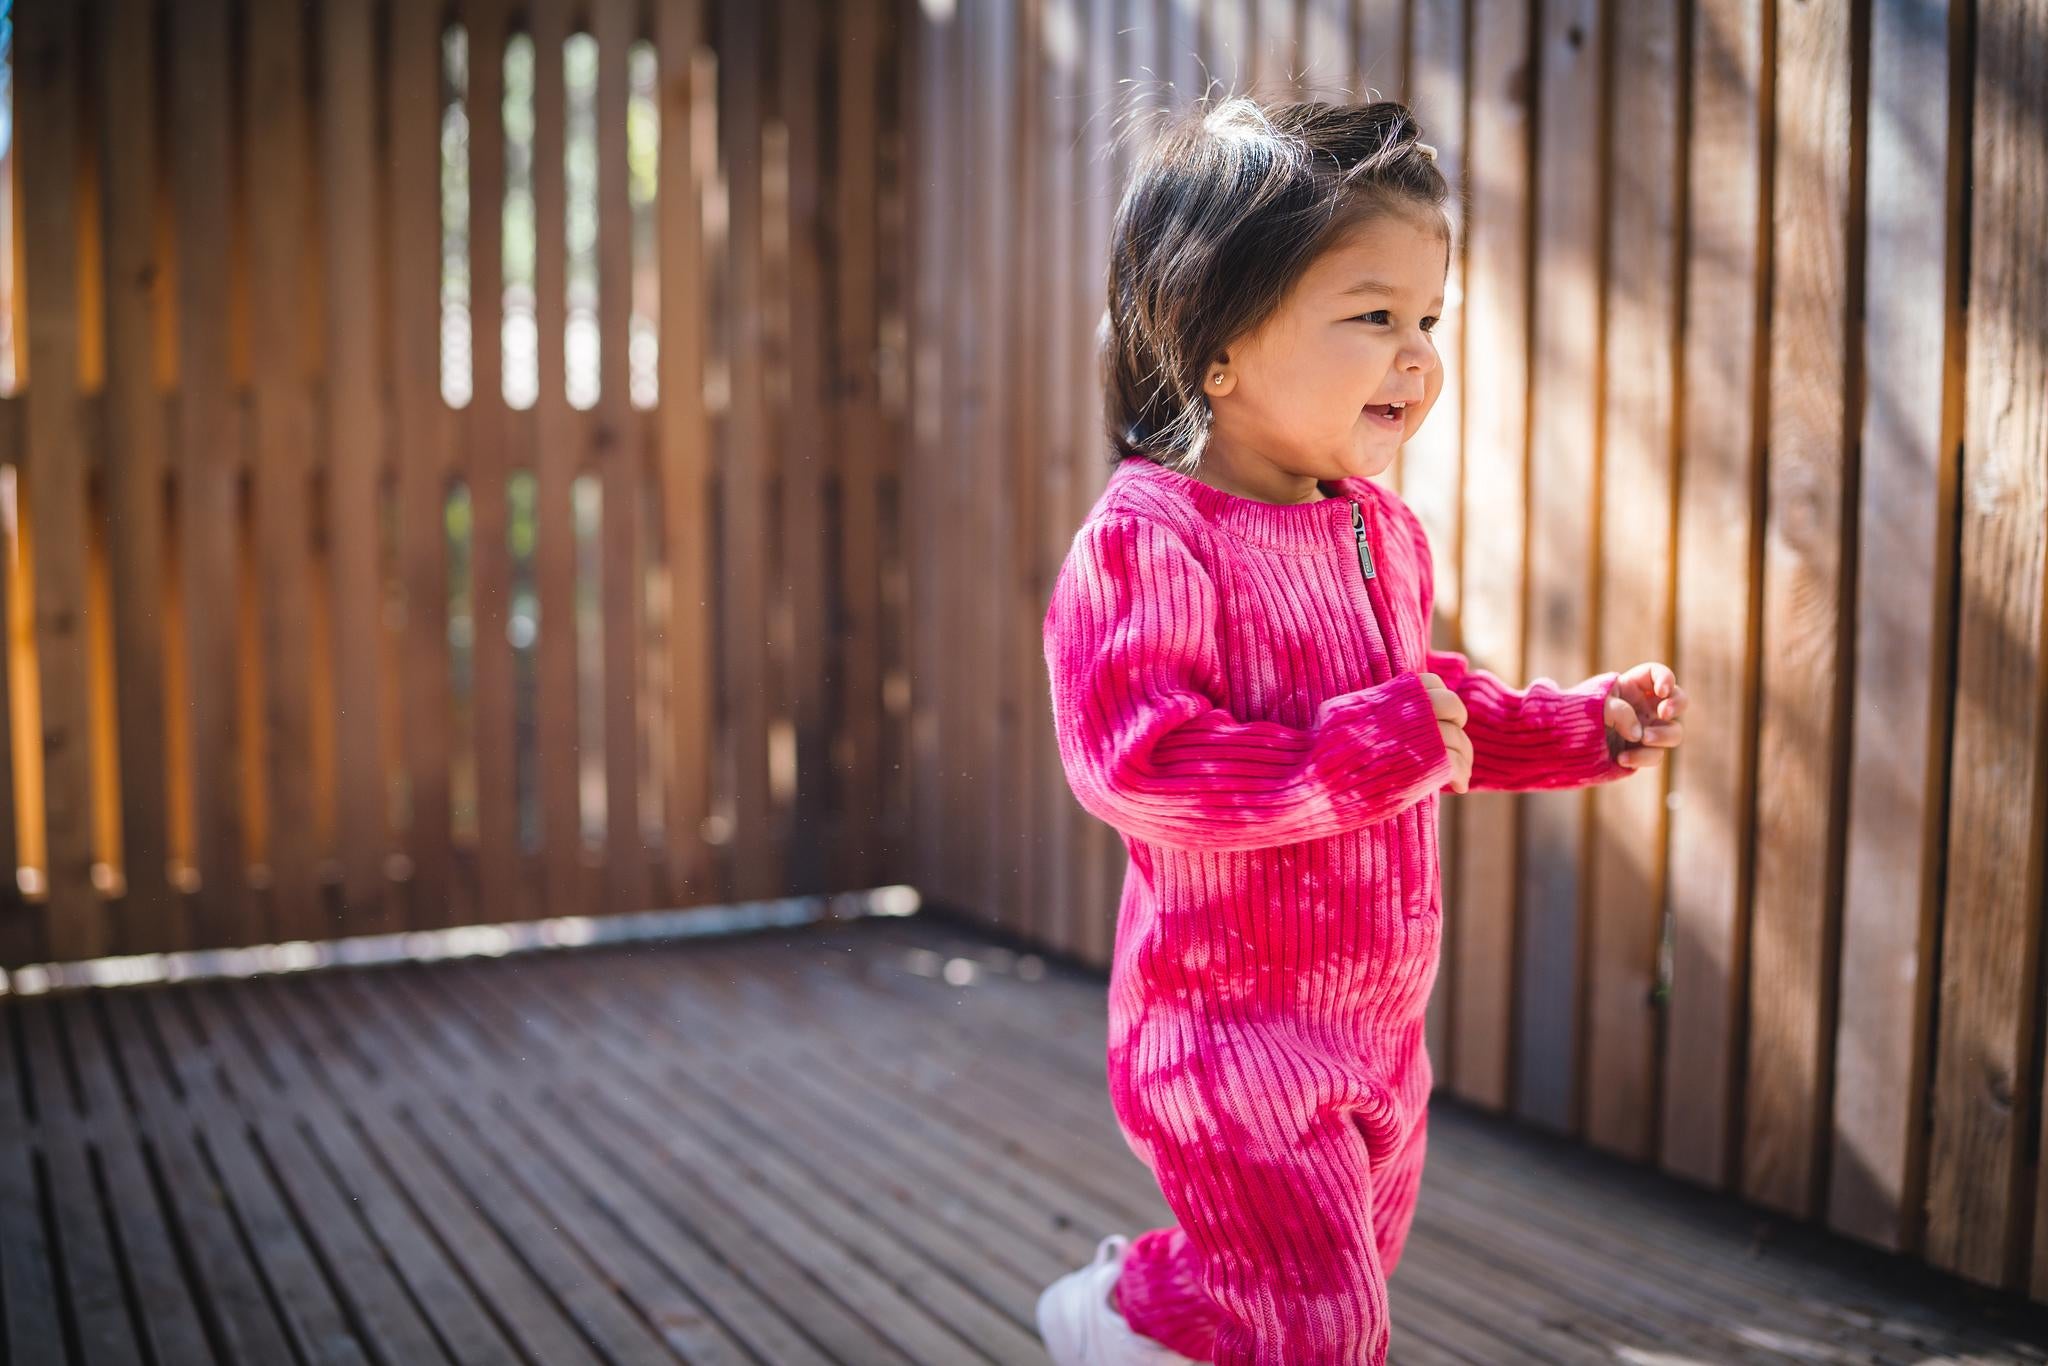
[(1379, 315)]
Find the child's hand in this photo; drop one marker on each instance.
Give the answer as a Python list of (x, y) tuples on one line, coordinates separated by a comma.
[(1450, 719), (1642, 716)]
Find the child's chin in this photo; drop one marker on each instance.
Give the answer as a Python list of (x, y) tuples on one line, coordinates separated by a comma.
[(1375, 460)]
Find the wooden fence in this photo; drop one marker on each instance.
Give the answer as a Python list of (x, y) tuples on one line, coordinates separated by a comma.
[(323, 615), (453, 474), (1747, 372)]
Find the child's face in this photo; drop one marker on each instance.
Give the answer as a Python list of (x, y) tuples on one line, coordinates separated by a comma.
[(1306, 392)]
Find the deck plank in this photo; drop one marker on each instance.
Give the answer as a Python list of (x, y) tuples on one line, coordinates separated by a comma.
[(640, 1094), (299, 1291), (86, 1259), (501, 1192), (31, 1330), (516, 1304), (658, 1260), (797, 1147), (173, 1325), (767, 1116), (375, 1303)]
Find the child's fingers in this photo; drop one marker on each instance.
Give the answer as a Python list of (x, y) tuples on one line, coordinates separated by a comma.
[(1447, 704), (1622, 715)]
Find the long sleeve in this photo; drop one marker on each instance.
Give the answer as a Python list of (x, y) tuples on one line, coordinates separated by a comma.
[(1532, 739), (1148, 747)]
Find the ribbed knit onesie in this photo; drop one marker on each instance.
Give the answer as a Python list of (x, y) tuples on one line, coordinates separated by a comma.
[(1236, 689)]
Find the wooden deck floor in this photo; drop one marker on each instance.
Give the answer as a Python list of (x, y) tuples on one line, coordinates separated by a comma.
[(802, 1146)]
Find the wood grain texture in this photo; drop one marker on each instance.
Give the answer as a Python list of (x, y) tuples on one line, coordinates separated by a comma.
[(355, 431), (488, 464), (412, 89), (1432, 464), (557, 457), (854, 132), (150, 914), (49, 67), (280, 271), (1564, 492), (1625, 877), (743, 488), (1496, 349), (1802, 722), (758, 1150), (1905, 582), (685, 453), (1985, 1068), (1719, 512), (811, 460), (618, 460)]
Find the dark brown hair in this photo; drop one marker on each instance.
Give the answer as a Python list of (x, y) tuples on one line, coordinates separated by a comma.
[(1221, 218)]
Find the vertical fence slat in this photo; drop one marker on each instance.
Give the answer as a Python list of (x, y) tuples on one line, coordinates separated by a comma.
[(1625, 891), (983, 567), (487, 467), (274, 153), (809, 464), (685, 452), (555, 460), (743, 494), (1712, 778), (1563, 388), (1433, 475), (893, 364), (208, 470), (1022, 611), (1984, 1070), (414, 247), (618, 459), (925, 243), (49, 67), (1105, 859), (1100, 862), (151, 914), (1904, 584), (1802, 722), (1496, 286), (856, 402), (1054, 69), (21, 924), (355, 450), (956, 371)]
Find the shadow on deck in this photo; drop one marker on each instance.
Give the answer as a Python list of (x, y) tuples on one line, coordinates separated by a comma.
[(870, 1141)]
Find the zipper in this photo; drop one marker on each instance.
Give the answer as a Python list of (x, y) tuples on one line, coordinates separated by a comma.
[(1382, 639), (1358, 530)]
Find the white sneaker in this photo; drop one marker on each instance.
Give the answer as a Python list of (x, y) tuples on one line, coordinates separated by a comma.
[(1081, 1329)]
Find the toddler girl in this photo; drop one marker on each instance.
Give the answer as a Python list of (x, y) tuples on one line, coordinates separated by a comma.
[(1242, 686)]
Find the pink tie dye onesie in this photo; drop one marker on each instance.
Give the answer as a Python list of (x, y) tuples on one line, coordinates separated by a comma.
[(1235, 687)]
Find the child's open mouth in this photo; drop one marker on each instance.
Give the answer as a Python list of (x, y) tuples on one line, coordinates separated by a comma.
[(1392, 416)]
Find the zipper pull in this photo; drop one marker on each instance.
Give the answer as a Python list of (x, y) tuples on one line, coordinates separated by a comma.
[(1358, 530)]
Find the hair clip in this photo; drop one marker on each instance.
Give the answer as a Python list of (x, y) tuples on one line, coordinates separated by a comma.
[(1426, 150)]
